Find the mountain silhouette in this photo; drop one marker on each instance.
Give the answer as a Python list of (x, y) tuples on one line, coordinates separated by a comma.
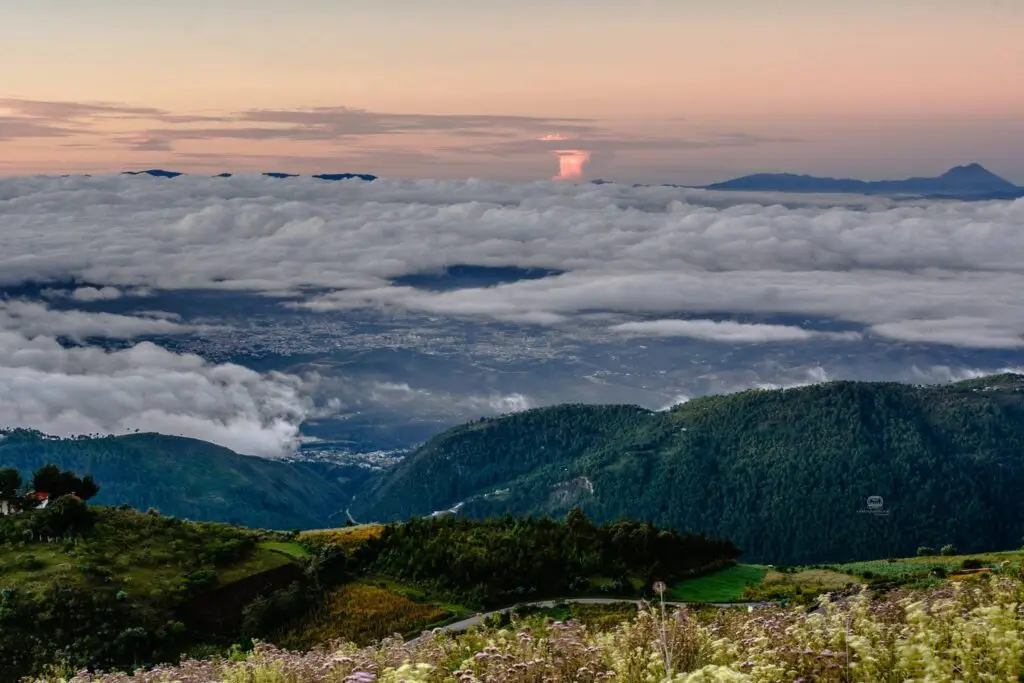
[(971, 181), (161, 173)]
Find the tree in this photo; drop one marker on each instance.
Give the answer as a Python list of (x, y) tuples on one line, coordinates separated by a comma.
[(52, 480), (48, 479), (925, 551), (88, 488), (948, 549), (66, 515), (10, 482)]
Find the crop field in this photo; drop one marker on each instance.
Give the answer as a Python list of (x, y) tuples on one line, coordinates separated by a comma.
[(903, 567)]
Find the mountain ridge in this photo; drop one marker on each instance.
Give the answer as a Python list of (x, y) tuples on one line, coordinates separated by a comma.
[(969, 180), (163, 173), (784, 473), (188, 478)]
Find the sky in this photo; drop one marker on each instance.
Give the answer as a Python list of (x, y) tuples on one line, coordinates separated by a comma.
[(688, 91)]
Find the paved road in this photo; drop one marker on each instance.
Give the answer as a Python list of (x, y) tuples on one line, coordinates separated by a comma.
[(478, 619)]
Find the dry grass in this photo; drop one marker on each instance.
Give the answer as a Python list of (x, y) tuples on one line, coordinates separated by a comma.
[(348, 538), (824, 578), (362, 614)]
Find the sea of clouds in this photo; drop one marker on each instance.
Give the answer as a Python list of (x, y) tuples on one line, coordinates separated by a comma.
[(916, 272)]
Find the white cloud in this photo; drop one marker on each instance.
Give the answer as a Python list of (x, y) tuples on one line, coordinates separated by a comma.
[(397, 395), (85, 390), (727, 331), (353, 394), (900, 268), (33, 319), (68, 391), (641, 261), (963, 330), (96, 294)]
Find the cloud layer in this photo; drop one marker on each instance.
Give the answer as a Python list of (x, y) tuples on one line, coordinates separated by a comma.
[(941, 272), (71, 390), (633, 262), (67, 391)]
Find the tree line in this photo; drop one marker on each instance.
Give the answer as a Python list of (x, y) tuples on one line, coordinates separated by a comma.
[(499, 560)]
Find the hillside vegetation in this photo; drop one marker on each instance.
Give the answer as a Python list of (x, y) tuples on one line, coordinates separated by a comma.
[(784, 474), (186, 478), (946, 633), (115, 588), (106, 588), (495, 562)]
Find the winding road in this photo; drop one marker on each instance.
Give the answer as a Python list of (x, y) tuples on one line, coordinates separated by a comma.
[(477, 620)]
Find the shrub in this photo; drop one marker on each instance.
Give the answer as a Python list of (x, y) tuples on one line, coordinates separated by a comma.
[(948, 549), (30, 562), (200, 581), (971, 634), (925, 551)]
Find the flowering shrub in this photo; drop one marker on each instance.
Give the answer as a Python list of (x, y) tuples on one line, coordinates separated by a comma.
[(958, 632)]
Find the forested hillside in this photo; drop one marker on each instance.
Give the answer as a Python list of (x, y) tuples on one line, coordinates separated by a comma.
[(187, 478), (505, 560), (784, 474)]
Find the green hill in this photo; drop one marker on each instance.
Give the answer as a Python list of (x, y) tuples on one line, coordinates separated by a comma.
[(187, 478), (119, 586), (784, 474)]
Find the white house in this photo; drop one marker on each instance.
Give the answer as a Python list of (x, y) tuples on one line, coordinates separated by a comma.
[(7, 508)]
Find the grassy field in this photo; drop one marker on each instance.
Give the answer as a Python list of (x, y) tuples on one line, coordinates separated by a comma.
[(292, 550), (263, 559), (746, 582), (141, 553), (903, 567), (723, 586)]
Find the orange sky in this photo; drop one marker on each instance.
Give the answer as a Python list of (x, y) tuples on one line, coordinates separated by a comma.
[(680, 91)]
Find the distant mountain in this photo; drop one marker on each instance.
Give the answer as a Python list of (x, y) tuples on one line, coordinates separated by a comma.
[(161, 173), (971, 181), (786, 475), (191, 479), (156, 173)]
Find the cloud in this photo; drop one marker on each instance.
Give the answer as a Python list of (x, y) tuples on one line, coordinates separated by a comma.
[(400, 396), (727, 331), (337, 123), (53, 110), (603, 142), (96, 294), (674, 263), (963, 330), (14, 128), (33, 319), (571, 163), (27, 118), (919, 272), (67, 391), (70, 391)]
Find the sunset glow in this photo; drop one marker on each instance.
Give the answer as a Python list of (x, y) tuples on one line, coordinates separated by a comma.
[(755, 86)]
